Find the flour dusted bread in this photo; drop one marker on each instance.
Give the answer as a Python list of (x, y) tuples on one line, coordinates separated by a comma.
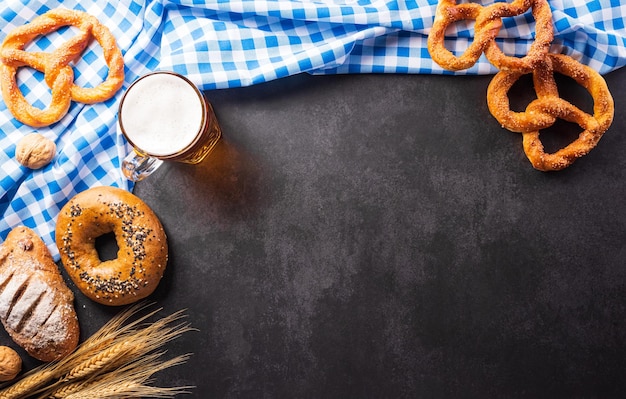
[(36, 307)]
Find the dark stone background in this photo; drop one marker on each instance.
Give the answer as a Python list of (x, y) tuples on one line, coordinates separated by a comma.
[(381, 236)]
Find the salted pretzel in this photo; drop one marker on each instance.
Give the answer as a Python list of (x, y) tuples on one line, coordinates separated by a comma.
[(542, 112), (548, 107), (56, 66), (488, 22)]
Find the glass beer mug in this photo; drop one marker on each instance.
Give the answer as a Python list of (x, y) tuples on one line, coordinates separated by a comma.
[(165, 117)]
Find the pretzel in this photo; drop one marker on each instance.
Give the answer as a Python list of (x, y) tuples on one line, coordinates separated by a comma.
[(542, 112), (544, 33), (548, 107), (55, 66), (488, 22)]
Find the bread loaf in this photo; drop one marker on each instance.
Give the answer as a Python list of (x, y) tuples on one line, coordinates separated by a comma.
[(36, 307)]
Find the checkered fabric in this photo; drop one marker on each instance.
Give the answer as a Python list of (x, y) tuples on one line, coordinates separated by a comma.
[(231, 43)]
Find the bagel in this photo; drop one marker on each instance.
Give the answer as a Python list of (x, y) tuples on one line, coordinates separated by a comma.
[(142, 245)]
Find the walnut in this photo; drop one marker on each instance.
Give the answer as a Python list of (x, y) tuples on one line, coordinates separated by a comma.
[(10, 363), (35, 151)]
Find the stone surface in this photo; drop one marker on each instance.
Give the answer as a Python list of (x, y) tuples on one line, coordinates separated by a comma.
[(379, 236), (383, 237)]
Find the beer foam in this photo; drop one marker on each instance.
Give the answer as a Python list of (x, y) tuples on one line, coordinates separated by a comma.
[(161, 114)]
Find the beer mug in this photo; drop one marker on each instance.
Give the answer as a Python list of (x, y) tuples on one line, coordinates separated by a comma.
[(165, 117)]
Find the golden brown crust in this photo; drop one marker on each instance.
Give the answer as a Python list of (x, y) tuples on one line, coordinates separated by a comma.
[(447, 13), (544, 33), (56, 65), (36, 307), (543, 112), (540, 113), (488, 22), (142, 255)]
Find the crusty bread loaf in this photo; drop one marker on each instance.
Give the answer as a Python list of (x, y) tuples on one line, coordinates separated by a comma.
[(36, 307)]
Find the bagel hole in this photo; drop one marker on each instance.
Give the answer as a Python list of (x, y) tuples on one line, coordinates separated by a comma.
[(106, 246), (559, 135)]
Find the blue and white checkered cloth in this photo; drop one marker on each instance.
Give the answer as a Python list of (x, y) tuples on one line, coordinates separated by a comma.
[(231, 43)]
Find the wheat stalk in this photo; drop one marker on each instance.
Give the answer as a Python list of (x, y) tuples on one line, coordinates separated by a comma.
[(65, 389), (124, 390), (106, 358), (105, 336), (117, 361), (138, 372), (28, 384)]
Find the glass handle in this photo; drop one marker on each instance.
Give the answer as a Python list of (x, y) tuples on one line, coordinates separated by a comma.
[(136, 167)]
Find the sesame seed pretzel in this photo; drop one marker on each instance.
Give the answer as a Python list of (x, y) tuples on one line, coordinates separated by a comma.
[(542, 112), (488, 22), (55, 66)]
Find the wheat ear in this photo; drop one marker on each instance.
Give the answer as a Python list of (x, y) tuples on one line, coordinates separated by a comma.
[(131, 381), (116, 361), (139, 370), (66, 389), (104, 337), (126, 390), (109, 357), (28, 384)]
